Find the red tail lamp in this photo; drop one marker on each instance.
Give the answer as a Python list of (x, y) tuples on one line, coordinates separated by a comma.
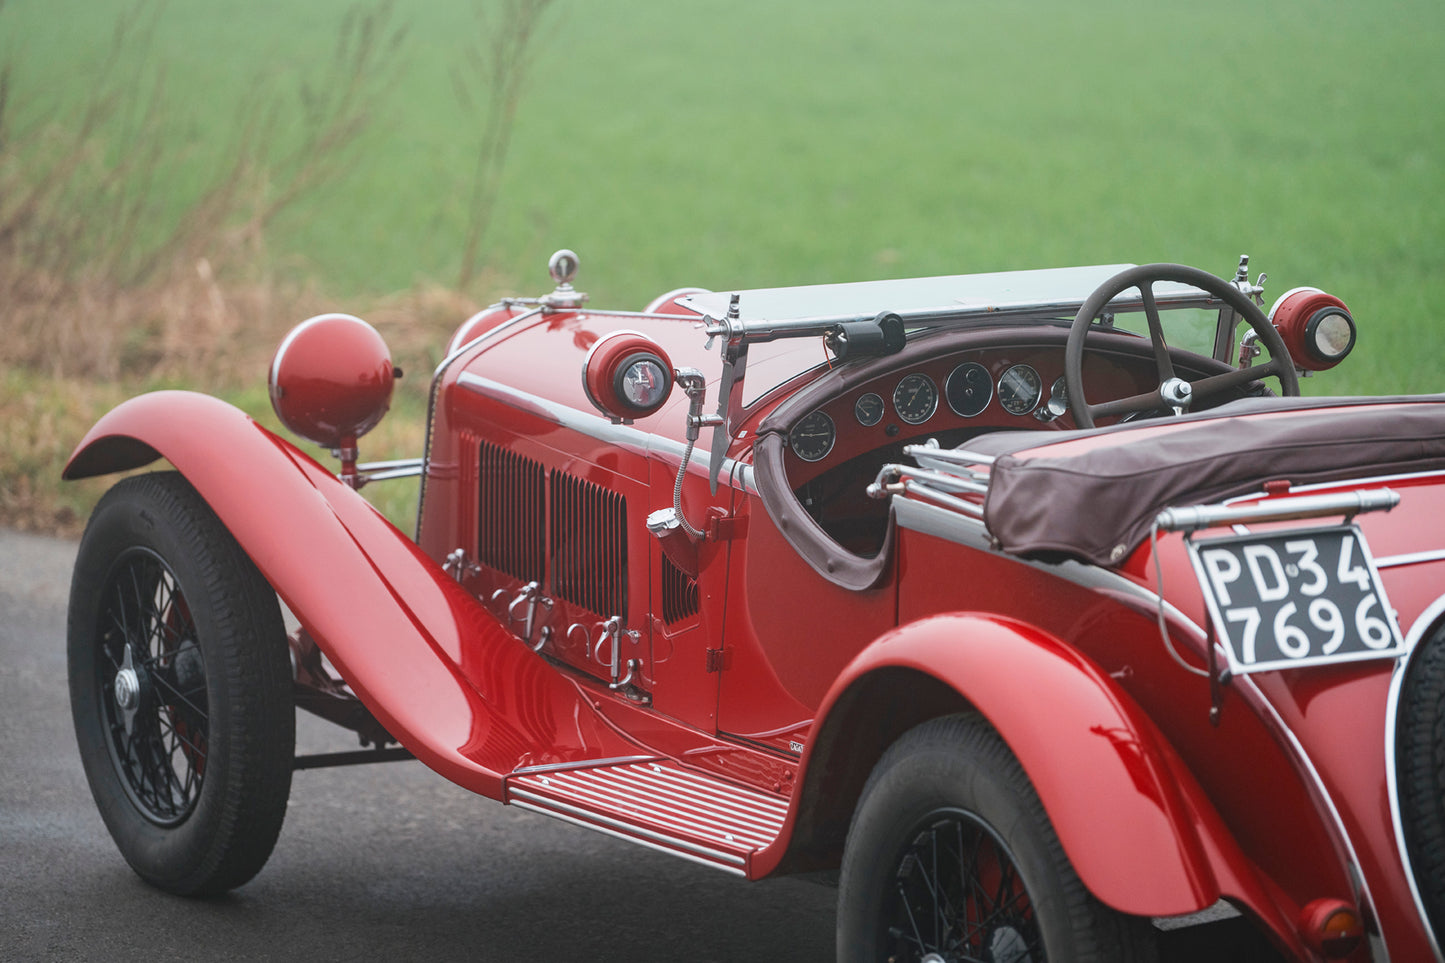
[(627, 375), (1331, 927), (331, 380), (1317, 327)]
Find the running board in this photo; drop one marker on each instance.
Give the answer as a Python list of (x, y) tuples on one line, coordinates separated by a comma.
[(656, 804)]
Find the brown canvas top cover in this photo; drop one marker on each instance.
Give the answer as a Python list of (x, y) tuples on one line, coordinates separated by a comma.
[(1094, 494)]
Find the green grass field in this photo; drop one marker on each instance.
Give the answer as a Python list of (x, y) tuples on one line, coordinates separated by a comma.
[(752, 143)]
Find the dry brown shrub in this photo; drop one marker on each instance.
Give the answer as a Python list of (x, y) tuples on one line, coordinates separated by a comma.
[(96, 280), (101, 295)]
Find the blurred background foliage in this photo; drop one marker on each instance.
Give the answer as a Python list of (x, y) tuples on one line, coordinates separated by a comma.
[(227, 171)]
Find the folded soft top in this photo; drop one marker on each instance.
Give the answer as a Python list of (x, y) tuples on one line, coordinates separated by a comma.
[(1093, 494)]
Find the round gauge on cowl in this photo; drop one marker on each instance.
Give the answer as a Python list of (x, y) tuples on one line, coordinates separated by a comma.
[(813, 437), (868, 410), (916, 398), (642, 382), (1019, 389), (968, 389)]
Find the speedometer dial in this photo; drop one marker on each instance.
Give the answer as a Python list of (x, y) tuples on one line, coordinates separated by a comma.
[(812, 438), (1019, 389), (969, 389), (916, 398)]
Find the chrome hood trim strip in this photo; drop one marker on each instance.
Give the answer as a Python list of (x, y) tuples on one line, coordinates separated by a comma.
[(603, 430)]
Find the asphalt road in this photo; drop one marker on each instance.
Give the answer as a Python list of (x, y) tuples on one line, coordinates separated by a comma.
[(379, 862)]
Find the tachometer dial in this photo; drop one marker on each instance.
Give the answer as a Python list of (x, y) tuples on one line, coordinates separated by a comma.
[(813, 437), (1019, 389), (969, 389), (916, 398), (868, 410)]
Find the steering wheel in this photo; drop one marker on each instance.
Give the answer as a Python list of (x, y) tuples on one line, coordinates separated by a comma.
[(1173, 391)]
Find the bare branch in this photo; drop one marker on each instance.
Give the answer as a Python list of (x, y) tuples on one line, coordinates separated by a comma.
[(502, 73)]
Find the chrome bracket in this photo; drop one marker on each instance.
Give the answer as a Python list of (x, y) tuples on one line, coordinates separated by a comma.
[(730, 389), (1249, 348), (1254, 291)]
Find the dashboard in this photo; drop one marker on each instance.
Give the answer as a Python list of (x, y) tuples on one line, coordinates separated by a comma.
[(834, 450)]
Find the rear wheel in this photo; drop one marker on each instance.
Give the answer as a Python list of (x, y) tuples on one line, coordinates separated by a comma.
[(180, 688), (951, 858), (1420, 773)]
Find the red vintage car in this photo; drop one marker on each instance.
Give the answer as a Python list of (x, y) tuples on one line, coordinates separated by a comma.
[(1047, 637)]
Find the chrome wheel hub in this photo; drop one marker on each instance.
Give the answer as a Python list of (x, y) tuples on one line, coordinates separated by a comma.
[(127, 690), (1007, 945)]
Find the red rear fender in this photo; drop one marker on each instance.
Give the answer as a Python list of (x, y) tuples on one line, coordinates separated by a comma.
[(1135, 824), (444, 677)]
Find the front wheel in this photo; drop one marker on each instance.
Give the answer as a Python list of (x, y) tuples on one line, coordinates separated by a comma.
[(951, 858), (180, 688)]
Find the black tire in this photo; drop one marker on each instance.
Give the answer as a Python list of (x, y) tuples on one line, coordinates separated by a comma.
[(180, 688), (949, 811), (1420, 773)]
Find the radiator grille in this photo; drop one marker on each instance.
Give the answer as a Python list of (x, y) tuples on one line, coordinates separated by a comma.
[(511, 536), (589, 545), (679, 593)]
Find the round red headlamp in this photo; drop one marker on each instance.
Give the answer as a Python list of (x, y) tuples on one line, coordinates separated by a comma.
[(1317, 327), (331, 379), (479, 324), (627, 375)]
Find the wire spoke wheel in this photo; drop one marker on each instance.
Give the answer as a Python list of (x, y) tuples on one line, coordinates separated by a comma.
[(153, 688), (180, 688), (957, 895), (951, 858)]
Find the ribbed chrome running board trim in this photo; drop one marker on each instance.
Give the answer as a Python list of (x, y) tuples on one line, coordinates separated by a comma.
[(629, 838), (658, 804)]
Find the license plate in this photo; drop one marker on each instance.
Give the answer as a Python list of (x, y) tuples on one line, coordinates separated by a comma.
[(1295, 598)]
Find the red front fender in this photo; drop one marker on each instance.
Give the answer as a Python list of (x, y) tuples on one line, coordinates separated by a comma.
[(1134, 822), (444, 677)]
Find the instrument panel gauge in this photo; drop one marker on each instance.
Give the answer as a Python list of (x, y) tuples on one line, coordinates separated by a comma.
[(916, 398), (813, 437), (868, 410), (1020, 389), (968, 389), (1058, 404)]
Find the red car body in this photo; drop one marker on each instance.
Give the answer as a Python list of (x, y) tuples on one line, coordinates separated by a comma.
[(754, 675)]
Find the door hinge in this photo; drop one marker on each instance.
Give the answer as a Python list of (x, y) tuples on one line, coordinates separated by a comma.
[(726, 527), (719, 659)]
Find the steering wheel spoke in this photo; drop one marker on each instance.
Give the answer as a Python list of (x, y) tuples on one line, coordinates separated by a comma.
[(1216, 384), (1149, 401), (1173, 392), (1162, 361)]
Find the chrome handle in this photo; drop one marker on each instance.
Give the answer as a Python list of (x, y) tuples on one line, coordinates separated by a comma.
[(526, 595), (458, 566), (611, 632), (529, 596)]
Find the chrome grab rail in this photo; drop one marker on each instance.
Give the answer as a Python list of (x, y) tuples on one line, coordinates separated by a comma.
[(1194, 517)]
